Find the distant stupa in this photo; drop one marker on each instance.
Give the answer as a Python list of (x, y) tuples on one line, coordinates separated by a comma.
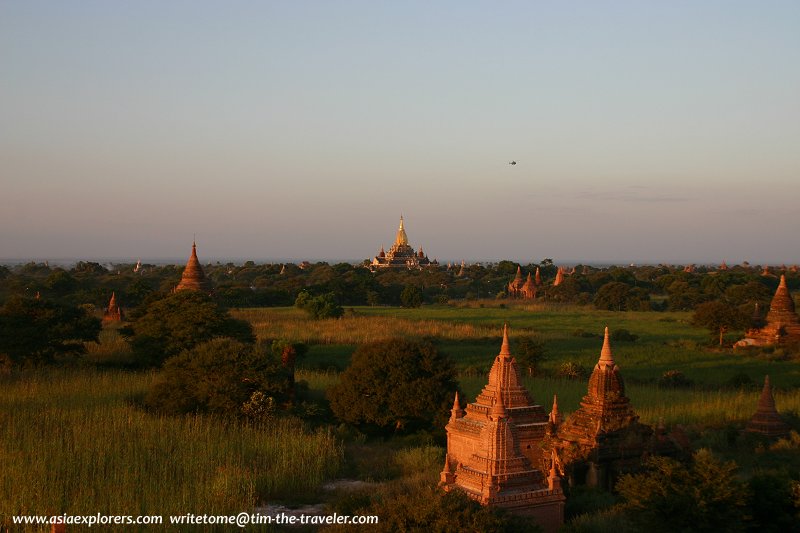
[(113, 313), (193, 278)]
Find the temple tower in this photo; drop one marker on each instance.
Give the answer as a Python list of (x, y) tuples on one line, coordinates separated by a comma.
[(193, 277), (766, 419), (113, 313), (783, 324), (603, 438), (493, 451), (401, 254)]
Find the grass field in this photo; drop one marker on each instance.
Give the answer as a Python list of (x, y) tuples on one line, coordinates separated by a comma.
[(70, 442), (471, 336)]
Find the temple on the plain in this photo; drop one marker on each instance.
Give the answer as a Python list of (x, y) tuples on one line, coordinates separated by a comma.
[(604, 438), (782, 323), (401, 254), (193, 277), (766, 420), (494, 453)]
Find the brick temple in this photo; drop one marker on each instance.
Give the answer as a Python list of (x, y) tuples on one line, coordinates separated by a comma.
[(604, 438), (113, 313), (494, 451), (525, 290), (193, 277), (766, 420), (401, 254), (782, 323)]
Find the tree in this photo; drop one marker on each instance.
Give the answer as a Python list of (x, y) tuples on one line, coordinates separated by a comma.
[(705, 496), (530, 351), (411, 296), (618, 296), (219, 376), (34, 330), (167, 326), (319, 307), (395, 385), (719, 317)]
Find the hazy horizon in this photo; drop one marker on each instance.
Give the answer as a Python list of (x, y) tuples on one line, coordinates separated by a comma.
[(644, 132)]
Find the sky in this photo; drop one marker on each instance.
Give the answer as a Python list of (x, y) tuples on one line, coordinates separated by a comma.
[(644, 131)]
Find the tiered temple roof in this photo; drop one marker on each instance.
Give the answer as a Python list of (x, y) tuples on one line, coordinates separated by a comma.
[(193, 277), (766, 419), (603, 437), (401, 254), (113, 313), (493, 451), (783, 324)]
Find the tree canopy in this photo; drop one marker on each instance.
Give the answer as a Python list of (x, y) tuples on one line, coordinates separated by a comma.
[(395, 385), (219, 376), (165, 327), (34, 331)]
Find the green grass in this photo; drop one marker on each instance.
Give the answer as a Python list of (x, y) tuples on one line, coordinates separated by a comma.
[(471, 336), (70, 442)]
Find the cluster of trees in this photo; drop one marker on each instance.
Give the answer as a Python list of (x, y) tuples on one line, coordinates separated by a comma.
[(659, 287)]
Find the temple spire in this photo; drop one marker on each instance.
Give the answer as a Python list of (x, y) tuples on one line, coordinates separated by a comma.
[(605, 354), (499, 408), (401, 238), (504, 348)]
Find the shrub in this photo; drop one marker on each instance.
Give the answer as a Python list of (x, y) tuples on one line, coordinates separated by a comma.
[(319, 307), (221, 376), (395, 385), (623, 335), (674, 379), (572, 370), (168, 326)]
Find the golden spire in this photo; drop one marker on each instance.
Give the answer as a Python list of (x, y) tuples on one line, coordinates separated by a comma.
[(605, 353), (402, 238)]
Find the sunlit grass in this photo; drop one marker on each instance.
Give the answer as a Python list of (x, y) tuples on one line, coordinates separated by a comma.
[(71, 443)]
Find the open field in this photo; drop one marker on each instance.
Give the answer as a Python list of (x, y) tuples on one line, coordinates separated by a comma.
[(71, 442), (471, 336)]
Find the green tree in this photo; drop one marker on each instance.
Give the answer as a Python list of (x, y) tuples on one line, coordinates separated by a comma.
[(705, 496), (37, 330), (219, 376), (411, 296), (165, 327), (719, 317), (530, 351), (395, 385), (618, 296), (319, 307)]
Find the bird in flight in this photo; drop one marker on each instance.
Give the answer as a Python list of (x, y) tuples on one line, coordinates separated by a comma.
[(512, 163)]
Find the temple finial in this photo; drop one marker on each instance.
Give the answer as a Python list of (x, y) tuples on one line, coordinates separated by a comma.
[(605, 353), (783, 281), (504, 348)]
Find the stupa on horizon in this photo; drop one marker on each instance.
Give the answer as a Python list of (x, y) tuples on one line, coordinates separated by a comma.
[(193, 277)]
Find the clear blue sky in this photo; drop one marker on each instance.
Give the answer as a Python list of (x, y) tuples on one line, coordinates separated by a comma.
[(645, 131)]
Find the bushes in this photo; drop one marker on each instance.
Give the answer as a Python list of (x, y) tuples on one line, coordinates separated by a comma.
[(395, 385), (221, 376), (166, 327), (319, 307)]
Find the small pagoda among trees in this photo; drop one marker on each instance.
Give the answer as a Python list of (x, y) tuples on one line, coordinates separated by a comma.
[(783, 324)]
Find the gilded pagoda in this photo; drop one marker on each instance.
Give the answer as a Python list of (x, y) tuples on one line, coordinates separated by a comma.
[(401, 254)]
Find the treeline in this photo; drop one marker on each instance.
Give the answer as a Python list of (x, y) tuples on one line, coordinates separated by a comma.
[(634, 288)]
